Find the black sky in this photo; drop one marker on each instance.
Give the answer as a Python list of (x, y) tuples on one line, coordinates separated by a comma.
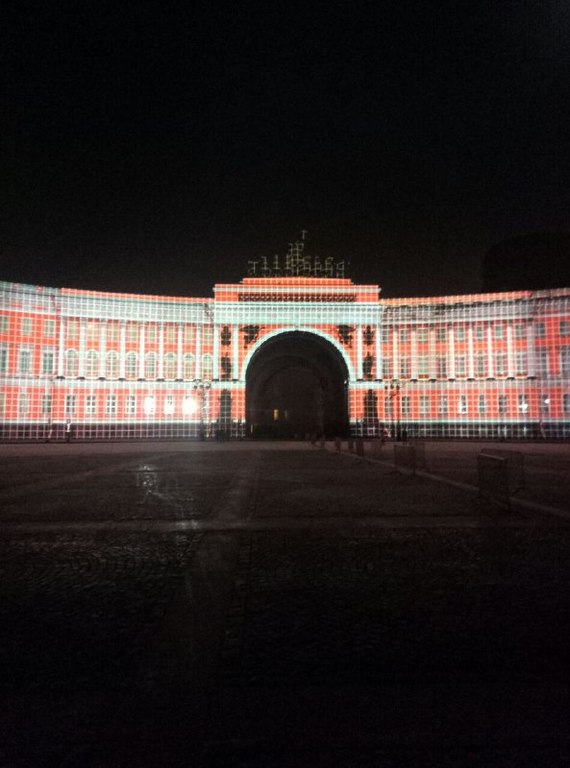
[(156, 147)]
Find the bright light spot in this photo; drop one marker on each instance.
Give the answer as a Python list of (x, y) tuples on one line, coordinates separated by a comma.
[(148, 406), (169, 406), (189, 406)]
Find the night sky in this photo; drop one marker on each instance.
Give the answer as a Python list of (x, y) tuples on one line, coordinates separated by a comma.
[(156, 147)]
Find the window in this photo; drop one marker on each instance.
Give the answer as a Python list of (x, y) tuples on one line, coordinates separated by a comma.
[(443, 405), (520, 331), (403, 335), (170, 366), (72, 330), (49, 328), (544, 403), (111, 405), (460, 333), (169, 405), (564, 328), (132, 332), (385, 335), (2, 403), (460, 369), (498, 331), (566, 404), (386, 368), (71, 363), (500, 364), (424, 405), (565, 361), (3, 360), (170, 333), (189, 406), (423, 365), (23, 404), (151, 333), (4, 324), (405, 405), (46, 404), (540, 330), (112, 331), (404, 367), (90, 405), (130, 405), (441, 367), (388, 406), (92, 330), (92, 364), (422, 335), (149, 406), (521, 363), (479, 332), (70, 405), (150, 366), (26, 326), (131, 365), (207, 334), (482, 405), (542, 362), (207, 366), (441, 334), (523, 404), (188, 367), (480, 366), (462, 405), (25, 362), (189, 334), (502, 405), (48, 358), (112, 367)]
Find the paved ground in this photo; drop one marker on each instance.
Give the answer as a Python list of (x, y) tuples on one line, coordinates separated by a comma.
[(275, 605)]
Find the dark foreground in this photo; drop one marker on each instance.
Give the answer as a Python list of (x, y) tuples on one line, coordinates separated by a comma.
[(273, 606)]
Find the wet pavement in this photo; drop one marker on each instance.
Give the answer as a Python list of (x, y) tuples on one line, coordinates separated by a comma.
[(273, 605)]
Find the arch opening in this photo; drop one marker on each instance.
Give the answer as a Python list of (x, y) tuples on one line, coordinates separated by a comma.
[(296, 383)]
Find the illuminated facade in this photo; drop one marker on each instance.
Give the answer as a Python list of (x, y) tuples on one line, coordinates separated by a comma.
[(119, 366)]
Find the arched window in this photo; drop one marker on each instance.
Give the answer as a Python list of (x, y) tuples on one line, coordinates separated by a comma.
[(92, 364), (188, 367), (112, 368), (71, 363), (169, 365), (150, 366), (132, 365), (207, 366)]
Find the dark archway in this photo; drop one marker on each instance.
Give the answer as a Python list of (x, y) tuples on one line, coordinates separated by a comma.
[(296, 384)]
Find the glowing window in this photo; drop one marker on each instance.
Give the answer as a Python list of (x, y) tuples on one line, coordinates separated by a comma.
[(90, 405), (131, 361), (150, 365), (48, 358), (71, 363), (112, 368), (111, 405), (26, 326), (169, 365), (168, 405), (149, 405), (443, 405), (49, 328), (47, 403), (207, 366), (70, 405), (189, 406), (462, 405), (130, 405), (25, 361), (188, 367), (91, 364)]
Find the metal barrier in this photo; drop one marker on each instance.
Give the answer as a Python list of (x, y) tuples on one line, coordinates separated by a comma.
[(405, 458), (493, 479), (515, 464)]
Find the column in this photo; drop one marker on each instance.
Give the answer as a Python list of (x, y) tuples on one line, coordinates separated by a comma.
[(102, 347), (510, 355), (451, 353), (359, 372), (378, 346), (531, 352), (61, 349), (216, 353), (470, 356), (414, 354), (490, 359), (82, 339), (235, 352), (160, 366), (198, 368), (179, 353), (141, 350), (395, 355), (122, 349), (432, 362)]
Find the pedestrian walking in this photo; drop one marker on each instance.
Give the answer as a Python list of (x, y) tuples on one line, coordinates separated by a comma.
[(68, 431)]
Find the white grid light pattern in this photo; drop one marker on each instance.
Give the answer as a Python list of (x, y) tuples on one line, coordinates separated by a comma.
[(120, 366)]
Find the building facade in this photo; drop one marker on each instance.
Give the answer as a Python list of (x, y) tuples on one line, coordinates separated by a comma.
[(119, 366)]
